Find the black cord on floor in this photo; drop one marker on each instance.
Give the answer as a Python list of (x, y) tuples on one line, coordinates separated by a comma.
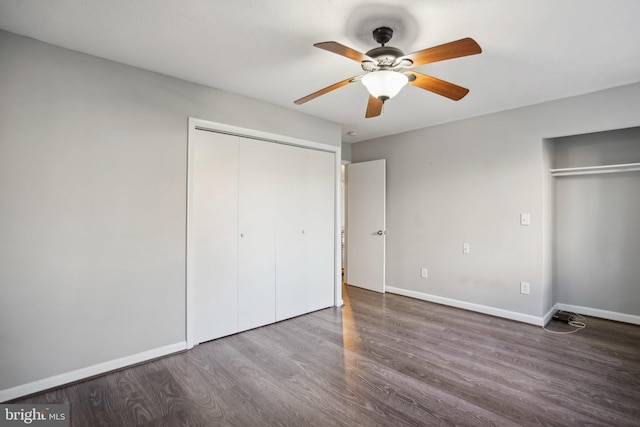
[(575, 320)]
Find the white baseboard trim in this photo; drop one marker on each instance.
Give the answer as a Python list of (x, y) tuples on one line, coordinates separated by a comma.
[(520, 317), (603, 314), (89, 371), (485, 309), (547, 317)]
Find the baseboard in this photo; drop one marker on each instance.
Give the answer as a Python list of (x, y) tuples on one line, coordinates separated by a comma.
[(603, 314), (89, 371), (493, 311), (512, 315), (547, 317)]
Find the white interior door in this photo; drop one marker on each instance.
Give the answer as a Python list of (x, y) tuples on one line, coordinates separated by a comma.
[(366, 201)]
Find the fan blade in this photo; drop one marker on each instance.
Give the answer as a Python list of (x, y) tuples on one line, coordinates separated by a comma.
[(456, 49), (343, 50), (374, 107), (438, 86), (325, 90)]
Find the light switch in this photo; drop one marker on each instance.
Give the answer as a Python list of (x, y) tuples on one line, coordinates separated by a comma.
[(525, 219)]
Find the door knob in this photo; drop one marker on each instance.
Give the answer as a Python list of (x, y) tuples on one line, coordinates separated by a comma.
[(381, 232)]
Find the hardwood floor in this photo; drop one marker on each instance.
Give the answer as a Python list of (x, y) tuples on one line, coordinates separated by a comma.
[(382, 360)]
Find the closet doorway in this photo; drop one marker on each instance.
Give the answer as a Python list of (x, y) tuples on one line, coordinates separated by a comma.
[(263, 241)]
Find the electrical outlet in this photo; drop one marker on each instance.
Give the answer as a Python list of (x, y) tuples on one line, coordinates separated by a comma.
[(466, 249), (524, 288), (423, 273)]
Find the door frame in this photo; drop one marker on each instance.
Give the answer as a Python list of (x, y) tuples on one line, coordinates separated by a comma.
[(197, 125), (343, 215)]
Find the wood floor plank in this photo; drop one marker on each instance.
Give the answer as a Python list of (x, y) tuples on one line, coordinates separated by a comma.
[(380, 360)]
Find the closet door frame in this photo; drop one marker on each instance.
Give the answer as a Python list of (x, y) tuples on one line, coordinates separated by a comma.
[(198, 125)]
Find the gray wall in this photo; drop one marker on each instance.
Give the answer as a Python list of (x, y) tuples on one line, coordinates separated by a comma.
[(597, 227), (468, 181), (346, 151), (597, 148), (93, 203)]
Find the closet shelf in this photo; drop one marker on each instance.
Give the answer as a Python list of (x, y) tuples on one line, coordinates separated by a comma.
[(590, 170)]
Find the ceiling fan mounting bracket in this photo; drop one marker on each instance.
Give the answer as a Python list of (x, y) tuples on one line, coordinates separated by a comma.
[(382, 35)]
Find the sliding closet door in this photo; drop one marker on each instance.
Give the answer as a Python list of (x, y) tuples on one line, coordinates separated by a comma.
[(213, 233), (291, 257), (257, 207), (320, 231)]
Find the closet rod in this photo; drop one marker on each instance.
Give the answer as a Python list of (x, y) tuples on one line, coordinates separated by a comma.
[(591, 170)]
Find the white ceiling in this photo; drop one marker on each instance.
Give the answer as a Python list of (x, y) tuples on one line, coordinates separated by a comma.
[(533, 50)]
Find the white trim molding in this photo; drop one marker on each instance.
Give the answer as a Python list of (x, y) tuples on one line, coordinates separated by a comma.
[(89, 371), (485, 309), (603, 314), (520, 317), (547, 317)]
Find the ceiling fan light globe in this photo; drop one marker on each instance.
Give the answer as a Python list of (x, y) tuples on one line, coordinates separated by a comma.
[(384, 84)]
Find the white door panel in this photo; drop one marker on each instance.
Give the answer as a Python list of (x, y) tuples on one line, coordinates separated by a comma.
[(256, 267), (213, 238), (291, 257), (320, 231), (366, 232)]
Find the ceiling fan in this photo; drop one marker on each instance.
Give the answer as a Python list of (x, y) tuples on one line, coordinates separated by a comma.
[(385, 66)]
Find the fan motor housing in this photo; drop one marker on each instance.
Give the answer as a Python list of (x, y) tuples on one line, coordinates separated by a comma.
[(385, 55)]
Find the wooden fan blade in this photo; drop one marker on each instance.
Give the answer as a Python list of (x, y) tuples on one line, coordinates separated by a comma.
[(325, 90), (456, 49), (343, 50), (374, 107), (438, 86)]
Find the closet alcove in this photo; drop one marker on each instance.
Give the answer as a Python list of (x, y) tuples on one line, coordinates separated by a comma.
[(596, 186)]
